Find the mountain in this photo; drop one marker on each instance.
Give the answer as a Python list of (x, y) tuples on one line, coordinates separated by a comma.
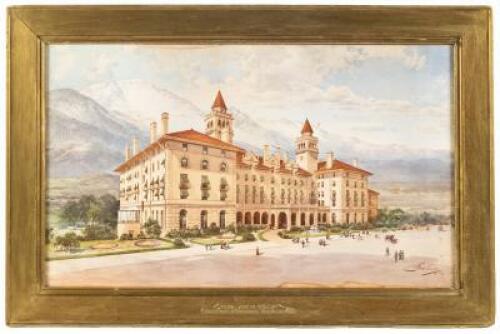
[(139, 102), (84, 138)]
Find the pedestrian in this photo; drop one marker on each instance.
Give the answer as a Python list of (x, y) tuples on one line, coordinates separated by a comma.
[(396, 256), (401, 255), (387, 252), (257, 252)]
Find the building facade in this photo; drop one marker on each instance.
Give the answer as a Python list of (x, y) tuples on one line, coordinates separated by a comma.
[(189, 179)]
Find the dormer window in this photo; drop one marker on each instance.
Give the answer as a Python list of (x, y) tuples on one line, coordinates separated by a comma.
[(204, 164), (185, 147), (184, 162), (223, 153), (205, 150), (223, 167)]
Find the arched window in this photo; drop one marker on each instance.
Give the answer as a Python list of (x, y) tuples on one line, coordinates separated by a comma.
[(203, 219), (355, 199), (334, 198), (184, 162), (222, 219), (223, 167), (204, 164), (182, 219), (333, 218)]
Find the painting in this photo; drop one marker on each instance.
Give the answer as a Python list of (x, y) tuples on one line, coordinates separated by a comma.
[(249, 166)]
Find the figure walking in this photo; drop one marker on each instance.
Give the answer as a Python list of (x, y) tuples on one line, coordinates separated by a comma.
[(395, 256), (387, 252), (401, 255), (257, 251)]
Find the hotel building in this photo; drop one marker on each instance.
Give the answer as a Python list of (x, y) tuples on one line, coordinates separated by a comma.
[(189, 179)]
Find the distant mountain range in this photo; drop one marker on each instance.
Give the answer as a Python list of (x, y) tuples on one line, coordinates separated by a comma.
[(89, 129)]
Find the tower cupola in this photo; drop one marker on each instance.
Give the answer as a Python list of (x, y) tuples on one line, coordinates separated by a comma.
[(219, 122)]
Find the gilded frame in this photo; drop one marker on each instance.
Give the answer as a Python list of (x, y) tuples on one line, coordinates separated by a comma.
[(467, 29)]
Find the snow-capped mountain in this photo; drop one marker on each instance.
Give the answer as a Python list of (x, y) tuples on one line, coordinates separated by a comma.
[(84, 137)]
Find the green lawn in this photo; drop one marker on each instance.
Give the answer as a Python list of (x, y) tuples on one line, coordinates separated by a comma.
[(107, 247), (260, 235), (214, 240)]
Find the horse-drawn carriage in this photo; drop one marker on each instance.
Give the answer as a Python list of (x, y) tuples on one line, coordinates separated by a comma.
[(391, 238)]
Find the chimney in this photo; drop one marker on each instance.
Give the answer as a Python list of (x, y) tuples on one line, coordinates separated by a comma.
[(355, 162), (152, 132), (267, 153), (135, 146), (164, 123), (127, 152), (329, 160)]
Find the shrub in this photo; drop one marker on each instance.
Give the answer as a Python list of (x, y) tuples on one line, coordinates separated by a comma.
[(152, 227), (141, 235), (248, 237), (179, 243), (125, 236), (98, 232), (336, 229), (68, 242)]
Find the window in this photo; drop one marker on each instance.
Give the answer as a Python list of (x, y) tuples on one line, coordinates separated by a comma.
[(261, 178), (223, 167), (355, 199), (184, 186), (204, 164), (254, 178), (185, 147), (246, 194), (237, 194), (184, 162), (334, 198), (246, 177), (261, 195), (205, 150), (224, 187), (205, 187), (223, 153), (272, 196), (347, 198), (222, 219), (254, 194), (203, 219), (362, 199), (182, 219)]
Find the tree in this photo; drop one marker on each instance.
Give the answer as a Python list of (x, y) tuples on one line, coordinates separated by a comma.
[(152, 228), (108, 213), (71, 212)]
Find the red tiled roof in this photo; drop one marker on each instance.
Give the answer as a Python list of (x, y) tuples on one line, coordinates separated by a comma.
[(307, 128), (373, 192), (186, 136), (219, 101), (201, 138), (337, 164)]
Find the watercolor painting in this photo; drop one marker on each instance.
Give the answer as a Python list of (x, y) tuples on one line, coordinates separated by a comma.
[(249, 166)]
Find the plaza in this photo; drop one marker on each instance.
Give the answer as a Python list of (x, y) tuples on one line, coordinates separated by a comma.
[(343, 262)]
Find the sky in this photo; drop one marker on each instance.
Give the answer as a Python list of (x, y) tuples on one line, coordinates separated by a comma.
[(386, 95)]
